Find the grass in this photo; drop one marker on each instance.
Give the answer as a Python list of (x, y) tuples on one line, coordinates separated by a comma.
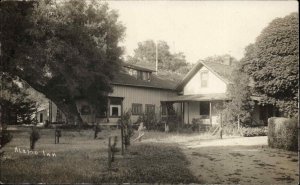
[(82, 159)]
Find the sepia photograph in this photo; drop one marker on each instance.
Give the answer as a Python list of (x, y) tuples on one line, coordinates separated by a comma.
[(149, 92)]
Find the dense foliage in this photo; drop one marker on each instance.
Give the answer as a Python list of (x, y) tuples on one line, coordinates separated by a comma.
[(272, 63), (283, 133), (254, 131), (239, 92), (64, 49), (17, 107)]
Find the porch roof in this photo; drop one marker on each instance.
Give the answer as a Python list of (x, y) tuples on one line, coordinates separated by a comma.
[(198, 97)]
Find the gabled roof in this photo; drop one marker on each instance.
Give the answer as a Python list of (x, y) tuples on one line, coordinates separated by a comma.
[(123, 78), (220, 70)]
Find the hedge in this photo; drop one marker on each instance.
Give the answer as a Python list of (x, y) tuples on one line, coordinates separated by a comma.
[(283, 133), (254, 131)]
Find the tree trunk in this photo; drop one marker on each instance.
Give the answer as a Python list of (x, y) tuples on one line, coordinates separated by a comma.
[(71, 113)]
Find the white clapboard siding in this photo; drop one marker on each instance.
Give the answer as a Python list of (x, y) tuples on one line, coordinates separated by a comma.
[(141, 95), (214, 85)]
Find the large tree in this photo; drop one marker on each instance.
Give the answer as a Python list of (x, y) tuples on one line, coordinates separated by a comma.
[(239, 91), (272, 63), (65, 50)]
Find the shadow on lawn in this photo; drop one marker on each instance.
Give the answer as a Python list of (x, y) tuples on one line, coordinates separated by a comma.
[(152, 163), (142, 163)]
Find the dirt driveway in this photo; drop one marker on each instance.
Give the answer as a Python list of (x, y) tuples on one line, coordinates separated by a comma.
[(241, 161), (235, 160)]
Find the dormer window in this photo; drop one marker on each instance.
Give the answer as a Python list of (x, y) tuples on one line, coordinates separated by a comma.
[(139, 74), (143, 75), (132, 72)]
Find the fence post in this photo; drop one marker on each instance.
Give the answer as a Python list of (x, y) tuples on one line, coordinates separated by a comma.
[(238, 122), (109, 152), (122, 139), (113, 149), (55, 136), (221, 125)]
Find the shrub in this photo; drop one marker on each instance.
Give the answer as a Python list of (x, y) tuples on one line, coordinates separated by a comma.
[(126, 124), (150, 121), (254, 131), (5, 135), (283, 133)]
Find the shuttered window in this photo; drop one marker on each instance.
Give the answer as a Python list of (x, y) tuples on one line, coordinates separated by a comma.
[(137, 109)]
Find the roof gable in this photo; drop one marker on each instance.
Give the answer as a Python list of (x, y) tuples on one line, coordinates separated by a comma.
[(222, 71)]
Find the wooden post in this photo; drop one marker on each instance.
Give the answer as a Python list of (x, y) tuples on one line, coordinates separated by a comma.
[(108, 109), (50, 112), (238, 122), (182, 112), (221, 126), (109, 152), (113, 149), (210, 120), (188, 112), (122, 138), (55, 136)]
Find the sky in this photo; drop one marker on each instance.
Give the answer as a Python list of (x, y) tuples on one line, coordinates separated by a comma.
[(199, 29)]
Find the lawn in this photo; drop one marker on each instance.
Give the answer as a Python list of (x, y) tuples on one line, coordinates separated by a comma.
[(159, 158), (79, 158)]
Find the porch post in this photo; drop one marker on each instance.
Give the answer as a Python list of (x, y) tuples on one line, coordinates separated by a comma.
[(188, 106), (182, 110), (108, 109), (210, 120)]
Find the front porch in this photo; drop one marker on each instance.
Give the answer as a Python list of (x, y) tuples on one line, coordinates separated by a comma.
[(202, 109)]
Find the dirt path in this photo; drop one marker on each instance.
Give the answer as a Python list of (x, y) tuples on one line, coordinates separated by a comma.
[(241, 161)]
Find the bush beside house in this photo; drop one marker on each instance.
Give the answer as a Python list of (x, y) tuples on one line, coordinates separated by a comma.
[(254, 131), (283, 133)]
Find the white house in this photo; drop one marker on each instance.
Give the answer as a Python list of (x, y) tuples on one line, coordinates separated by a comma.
[(203, 91)]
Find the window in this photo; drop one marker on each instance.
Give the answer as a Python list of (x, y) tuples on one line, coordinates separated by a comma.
[(164, 109), (115, 110), (137, 109), (204, 108), (142, 75), (41, 117), (85, 110), (150, 108), (115, 107), (139, 75), (131, 72), (204, 78)]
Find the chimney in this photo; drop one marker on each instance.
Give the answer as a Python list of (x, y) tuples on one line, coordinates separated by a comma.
[(227, 60)]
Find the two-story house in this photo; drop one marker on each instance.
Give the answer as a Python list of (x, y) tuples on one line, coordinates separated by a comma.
[(203, 92)]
